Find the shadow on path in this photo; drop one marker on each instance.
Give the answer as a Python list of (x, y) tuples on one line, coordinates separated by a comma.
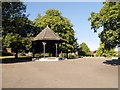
[(14, 60), (112, 62)]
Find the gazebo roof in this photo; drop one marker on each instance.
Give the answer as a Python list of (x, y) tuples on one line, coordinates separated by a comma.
[(48, 34)]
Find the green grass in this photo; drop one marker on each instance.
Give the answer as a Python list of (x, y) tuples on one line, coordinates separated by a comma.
[(12, 59), (4, 57)]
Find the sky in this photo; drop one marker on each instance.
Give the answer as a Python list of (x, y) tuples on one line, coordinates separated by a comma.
[(77, 12)]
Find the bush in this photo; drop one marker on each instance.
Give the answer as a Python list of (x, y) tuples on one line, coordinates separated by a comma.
[(37, 55), (29, 54), (22, 54), (6, 54), (119, 55), (70, 56), (47, 54), (80, 56), (64, 55)]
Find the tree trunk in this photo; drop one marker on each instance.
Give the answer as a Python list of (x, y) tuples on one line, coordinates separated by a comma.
[(33, 55), (16, 55), (67, 54)]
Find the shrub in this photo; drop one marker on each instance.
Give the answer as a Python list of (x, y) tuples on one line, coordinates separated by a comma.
[(37, 55), (6, 54), (119, 54), (47, 54), (22, 54), (64, 55), (29, 54), (70, 56), (80, 56)]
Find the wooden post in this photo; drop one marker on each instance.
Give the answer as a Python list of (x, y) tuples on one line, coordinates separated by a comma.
[(56, 49), (33, 49), (44, 43)]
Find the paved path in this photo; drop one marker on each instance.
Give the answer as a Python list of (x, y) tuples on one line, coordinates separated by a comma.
[(81, 73)]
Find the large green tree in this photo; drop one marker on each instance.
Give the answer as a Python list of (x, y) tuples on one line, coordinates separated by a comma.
[(15, 22), (14, 19), (105, 52), (108, 18), (17, 43), (84, 50), (61, 25)]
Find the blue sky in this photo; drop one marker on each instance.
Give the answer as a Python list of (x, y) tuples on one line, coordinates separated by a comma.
[(76, 12)]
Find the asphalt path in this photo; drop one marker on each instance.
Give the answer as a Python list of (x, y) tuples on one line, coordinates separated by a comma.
[(76, 73)]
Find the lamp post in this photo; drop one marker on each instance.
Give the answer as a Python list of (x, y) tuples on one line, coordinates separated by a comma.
[(56, 49), (44, 43)]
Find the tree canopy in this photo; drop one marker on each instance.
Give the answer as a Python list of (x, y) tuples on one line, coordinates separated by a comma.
[(16, 27), (84, 50), (108, 18), (15, 20), (105, 52), (61, 25)]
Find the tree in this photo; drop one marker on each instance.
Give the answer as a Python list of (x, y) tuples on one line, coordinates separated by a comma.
[(11, 11), (15, 22), (108, 18), (105, 52), (17, 43), (84, 50), (61, 25), (13, 41)]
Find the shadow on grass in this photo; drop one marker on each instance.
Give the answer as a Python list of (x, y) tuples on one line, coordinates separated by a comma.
[(14, 60), (112, 62)]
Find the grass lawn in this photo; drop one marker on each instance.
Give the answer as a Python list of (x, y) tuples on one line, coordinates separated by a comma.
[(3, 57), (12, 59)]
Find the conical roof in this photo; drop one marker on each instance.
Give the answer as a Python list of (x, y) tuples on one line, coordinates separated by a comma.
[(48, 34)]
